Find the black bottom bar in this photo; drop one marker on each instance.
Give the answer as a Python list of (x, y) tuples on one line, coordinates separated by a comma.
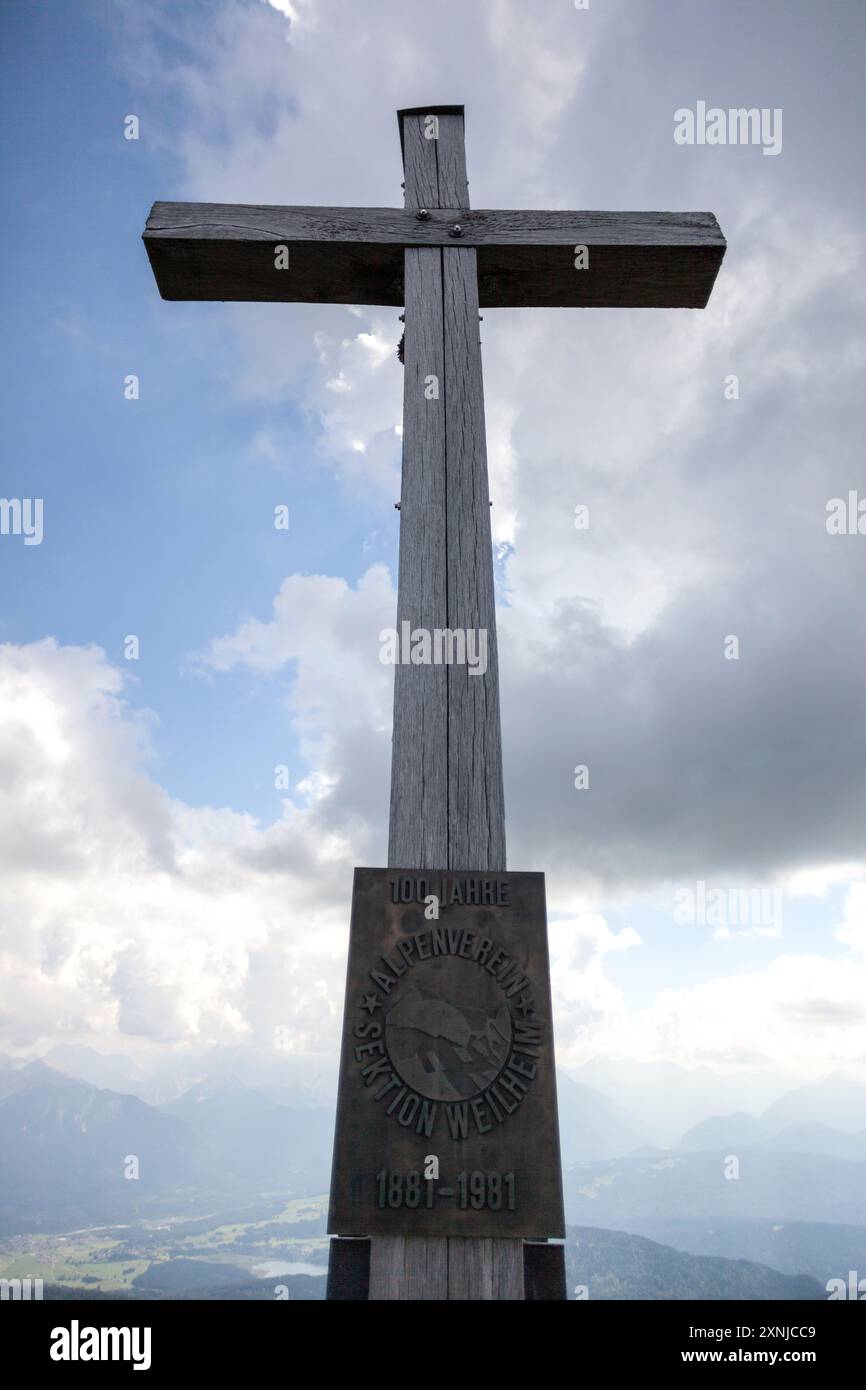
[(234, 1339)]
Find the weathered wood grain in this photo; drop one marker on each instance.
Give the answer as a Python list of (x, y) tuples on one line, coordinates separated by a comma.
[(418, 836), (485, 1269), (450, 153), (415, 1269), (476, 804), (399, 227), (430, 1269), (355, 255), (420, 167)]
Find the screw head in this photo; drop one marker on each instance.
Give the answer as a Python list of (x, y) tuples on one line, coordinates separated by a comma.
[(423, 215), (456, 230)]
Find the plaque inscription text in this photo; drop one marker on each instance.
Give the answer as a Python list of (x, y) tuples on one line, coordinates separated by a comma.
[(446, 1120)]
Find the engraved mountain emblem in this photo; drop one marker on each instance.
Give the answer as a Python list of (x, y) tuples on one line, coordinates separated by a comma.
[(443, 1050)]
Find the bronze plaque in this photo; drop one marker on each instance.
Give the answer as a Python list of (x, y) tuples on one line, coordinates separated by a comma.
[(446, 1119)]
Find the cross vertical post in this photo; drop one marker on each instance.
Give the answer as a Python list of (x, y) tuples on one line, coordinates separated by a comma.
[(447, 804)]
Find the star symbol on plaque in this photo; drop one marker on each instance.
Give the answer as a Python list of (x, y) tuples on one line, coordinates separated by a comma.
[(371, 1002), (523, 1002)]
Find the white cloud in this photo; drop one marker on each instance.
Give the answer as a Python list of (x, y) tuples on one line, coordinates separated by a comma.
[(284, 7), (128, 914), (331, 631), (807, 1012), (801, 1014), (587, 1006)]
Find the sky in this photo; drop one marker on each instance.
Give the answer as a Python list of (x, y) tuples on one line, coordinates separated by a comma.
[(163, 898)]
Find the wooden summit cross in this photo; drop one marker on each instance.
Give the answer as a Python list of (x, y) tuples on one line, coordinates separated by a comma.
[(465, 1236)]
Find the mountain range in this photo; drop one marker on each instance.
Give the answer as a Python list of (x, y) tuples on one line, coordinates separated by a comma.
[(623, 1193), (829, 1118), (796, 1202), (603, 1265), (73, 1155)]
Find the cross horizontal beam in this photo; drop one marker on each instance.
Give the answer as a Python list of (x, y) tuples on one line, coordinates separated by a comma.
[(526, 259)]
